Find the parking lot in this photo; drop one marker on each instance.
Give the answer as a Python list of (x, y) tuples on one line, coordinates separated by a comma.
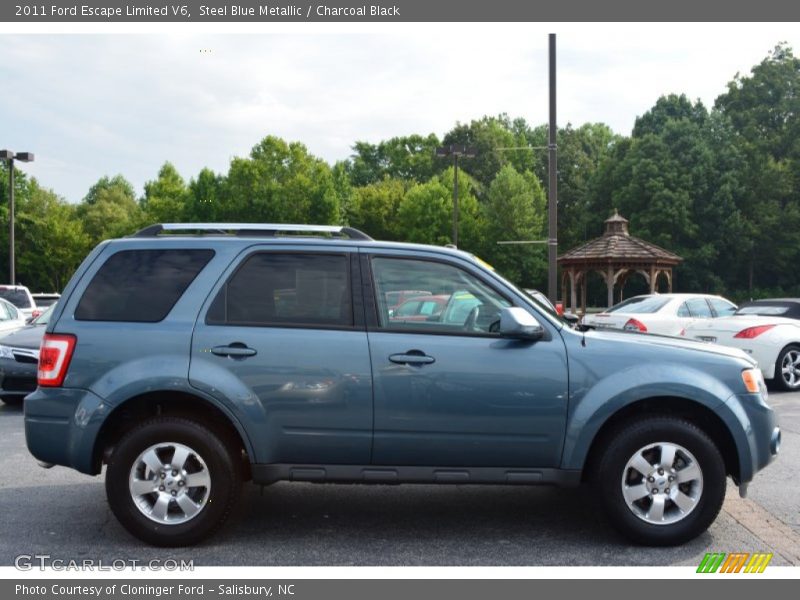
[(64, 514)]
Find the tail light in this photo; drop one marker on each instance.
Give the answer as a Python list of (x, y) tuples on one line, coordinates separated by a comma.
[(54, 356), (634, 325), (35, 314), (753, 332), (560, 309)]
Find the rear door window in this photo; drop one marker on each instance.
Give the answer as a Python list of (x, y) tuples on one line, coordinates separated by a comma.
[(283, 289), (721, 307), (699, 308), (140, 285)]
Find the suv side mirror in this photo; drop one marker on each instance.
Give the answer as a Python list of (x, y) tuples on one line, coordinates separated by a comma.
[(517, 323)]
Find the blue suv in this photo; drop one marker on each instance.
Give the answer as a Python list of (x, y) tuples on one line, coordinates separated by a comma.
[(191, 358)]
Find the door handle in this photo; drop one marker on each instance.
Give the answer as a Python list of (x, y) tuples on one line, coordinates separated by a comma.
[(235, 350), (412, 357)]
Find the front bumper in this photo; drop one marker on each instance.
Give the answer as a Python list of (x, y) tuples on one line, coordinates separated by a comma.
[(17, 379), (755, 431), (61, 427)]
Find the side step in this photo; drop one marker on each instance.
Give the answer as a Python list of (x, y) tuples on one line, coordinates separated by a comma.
[(265, 474)]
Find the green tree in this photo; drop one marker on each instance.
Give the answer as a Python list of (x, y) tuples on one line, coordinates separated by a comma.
[(280, 182), (493, 139), (516, 212), (110, 210), (411, 157), (762, 109), (425, 214), (203, 198), (375, 206), (165, 197), (51, 241)]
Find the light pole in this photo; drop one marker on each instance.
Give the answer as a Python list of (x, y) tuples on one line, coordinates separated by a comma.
[(10, 157), (455, 150)]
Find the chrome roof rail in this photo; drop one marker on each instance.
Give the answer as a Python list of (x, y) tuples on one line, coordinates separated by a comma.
[(252, 229)]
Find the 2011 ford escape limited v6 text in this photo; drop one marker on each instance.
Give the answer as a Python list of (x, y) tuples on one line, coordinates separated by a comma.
[(189, 363)]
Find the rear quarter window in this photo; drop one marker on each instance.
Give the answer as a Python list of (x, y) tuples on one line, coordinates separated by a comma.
[(140, 285)]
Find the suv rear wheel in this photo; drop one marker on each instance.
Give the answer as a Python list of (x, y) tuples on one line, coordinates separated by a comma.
[(172, 481), (662, 480)]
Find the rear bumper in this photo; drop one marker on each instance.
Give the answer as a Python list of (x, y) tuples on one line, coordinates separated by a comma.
[(755, 431), (61, 427)]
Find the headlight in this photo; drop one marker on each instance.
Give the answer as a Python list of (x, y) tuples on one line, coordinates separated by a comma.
[(754, 383), (5, 352)]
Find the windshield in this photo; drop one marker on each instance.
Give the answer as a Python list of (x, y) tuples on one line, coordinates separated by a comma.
[(44, 318), (17, 297), (641, 305)]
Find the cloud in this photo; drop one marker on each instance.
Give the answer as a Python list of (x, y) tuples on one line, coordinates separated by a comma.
[(94, 105)]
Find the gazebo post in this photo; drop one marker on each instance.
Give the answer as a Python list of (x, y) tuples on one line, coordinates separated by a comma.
[(583, 292), (573, 301), (610, 285)]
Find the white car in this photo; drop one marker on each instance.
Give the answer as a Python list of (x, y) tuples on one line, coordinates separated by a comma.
[(768, 330), (21, 297), (11, 318), (665, 314)]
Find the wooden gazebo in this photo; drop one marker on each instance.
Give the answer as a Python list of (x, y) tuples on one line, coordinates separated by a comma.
[(615, 256)]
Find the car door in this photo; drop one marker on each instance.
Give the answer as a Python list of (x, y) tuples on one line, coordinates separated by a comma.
[(451, 391), (281, 338)]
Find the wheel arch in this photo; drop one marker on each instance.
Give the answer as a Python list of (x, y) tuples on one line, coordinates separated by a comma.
[(695, 412), (126, 414)]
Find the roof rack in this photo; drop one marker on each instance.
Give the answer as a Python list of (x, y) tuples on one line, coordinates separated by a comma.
[(253, 229)]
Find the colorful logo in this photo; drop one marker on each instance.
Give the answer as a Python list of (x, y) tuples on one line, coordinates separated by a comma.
[(737, 562)]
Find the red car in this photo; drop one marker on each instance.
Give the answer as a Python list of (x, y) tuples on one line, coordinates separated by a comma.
[(420, 308)]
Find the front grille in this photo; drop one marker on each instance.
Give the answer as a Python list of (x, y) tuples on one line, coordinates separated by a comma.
[(19, 384)]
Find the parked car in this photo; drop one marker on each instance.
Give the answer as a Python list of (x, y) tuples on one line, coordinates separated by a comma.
[(396, 298), (768, 330), (169, 360), (421, 308), (19, 296), (667, 314), (557, 309), (11, 318), (19, 359), (43, 300)]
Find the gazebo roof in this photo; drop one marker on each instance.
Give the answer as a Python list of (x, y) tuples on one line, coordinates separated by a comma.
[(618, 245)]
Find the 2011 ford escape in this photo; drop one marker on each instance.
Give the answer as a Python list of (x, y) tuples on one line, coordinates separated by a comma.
[(189, 358)]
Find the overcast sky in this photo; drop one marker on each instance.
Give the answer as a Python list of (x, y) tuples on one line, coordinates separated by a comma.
[(102, 104)]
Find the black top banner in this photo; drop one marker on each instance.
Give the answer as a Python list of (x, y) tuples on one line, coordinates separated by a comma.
[(243, 11)]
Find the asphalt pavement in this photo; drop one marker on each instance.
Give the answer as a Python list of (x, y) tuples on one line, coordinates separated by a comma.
[(64, 514)]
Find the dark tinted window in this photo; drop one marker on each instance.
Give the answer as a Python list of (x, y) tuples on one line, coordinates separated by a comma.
[(140, 285), (17, 297), (273, 288)]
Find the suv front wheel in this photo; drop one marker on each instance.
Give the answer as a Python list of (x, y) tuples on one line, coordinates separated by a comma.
[(662, 480), (172, 481)]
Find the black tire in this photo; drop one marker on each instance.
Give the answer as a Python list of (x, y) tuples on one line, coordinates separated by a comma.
[(624, 443), (222, 459), (13, 400), (778, 380)]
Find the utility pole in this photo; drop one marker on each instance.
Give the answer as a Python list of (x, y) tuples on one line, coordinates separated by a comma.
[(552, 192), (10, 157), (455, 150)]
